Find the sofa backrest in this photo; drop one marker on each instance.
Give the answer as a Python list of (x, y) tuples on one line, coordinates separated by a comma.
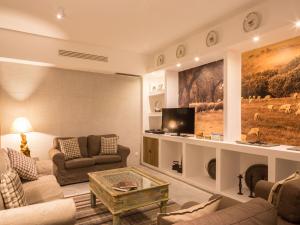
[(4, 165), (253, 212), (82, 144), (89, 146), (94, 143)]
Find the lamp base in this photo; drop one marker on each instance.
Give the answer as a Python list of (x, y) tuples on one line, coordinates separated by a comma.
[(24, 146)]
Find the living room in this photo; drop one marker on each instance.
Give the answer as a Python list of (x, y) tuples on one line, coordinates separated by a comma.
[(149, 112)]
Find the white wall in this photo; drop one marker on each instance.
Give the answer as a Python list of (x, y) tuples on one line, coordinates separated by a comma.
[(277, 24), (61, 102), (22, 46)]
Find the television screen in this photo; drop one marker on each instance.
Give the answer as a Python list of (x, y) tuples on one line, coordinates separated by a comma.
[(178, 120)]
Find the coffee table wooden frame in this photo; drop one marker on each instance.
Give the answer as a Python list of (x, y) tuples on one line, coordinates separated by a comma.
[(120, 202)]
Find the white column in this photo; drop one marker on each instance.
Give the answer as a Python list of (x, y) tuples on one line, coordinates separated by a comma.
[(172, 89), (232, 96)]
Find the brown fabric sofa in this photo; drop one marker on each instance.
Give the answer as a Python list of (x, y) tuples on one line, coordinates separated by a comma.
[(76, 170), (45, 201), (257, 211)]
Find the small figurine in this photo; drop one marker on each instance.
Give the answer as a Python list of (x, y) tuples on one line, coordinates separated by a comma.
[(240, 184), (251, 187)]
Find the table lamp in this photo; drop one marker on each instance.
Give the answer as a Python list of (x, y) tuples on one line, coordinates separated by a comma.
[(22, 125)]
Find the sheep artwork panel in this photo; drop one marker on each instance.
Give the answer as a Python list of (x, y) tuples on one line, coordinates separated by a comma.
[(202, 88), (272, 73)]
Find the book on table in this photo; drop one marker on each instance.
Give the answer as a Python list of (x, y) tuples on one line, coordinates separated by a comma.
[(125, 186)]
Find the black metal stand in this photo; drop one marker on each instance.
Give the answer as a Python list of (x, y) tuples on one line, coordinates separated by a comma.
[(240, 184)]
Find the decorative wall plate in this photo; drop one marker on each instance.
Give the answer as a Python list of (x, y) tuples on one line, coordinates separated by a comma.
[(160, 60), (251, 22), (211, 38), (180, 51), (257, 172)]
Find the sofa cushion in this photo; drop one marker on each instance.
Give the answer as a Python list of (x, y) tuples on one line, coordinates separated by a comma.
[(109, 145), (81, 140), (254, 212), (79, 163), (70, 148), (94, 143), (102, 159), (289, 202), (190, 213), (43, 189), (276, 191), (4, 166), (12, 190), (4, 161), (24, 165)]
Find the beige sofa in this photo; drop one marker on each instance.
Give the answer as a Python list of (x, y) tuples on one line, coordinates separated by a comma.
[(257, 211), (44, 196), (76, 170)]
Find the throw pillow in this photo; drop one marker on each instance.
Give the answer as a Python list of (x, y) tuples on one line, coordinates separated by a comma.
[(24, 165), (12, 190), (70, 148), (275, 193), (289, 202), (190, 213), (109, 145)]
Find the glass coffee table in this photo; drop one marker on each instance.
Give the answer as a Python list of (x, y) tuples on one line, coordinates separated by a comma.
[(147, 190)]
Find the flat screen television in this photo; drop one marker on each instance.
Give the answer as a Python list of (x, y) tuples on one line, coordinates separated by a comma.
[(178, 120)]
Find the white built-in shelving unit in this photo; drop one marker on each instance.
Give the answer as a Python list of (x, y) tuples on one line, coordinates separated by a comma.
[(232, 159)]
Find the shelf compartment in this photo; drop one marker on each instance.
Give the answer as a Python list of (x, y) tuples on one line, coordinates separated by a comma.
[(196, 161), (285, 168), (155, 114), (170, 151), (155, 93), (234, 163)]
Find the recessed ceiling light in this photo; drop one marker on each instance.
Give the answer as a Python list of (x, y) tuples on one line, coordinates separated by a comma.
[(60, 14), (178, 65), (297, 23), (196, 59), (256, 39)]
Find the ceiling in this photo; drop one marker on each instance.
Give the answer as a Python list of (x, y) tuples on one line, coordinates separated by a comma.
[(141, 26)]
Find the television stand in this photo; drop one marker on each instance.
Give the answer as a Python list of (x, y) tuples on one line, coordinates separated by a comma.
[(179, 135)]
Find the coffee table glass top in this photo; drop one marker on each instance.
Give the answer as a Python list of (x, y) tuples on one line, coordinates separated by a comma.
[(126, 177)]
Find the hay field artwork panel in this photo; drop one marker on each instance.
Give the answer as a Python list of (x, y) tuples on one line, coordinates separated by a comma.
[(271, 93), (202, 88)]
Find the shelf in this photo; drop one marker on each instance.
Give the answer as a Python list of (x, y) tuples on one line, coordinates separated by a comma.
[(155, 114), (203, 181), (155, 93), (172, 172), (232, 193)]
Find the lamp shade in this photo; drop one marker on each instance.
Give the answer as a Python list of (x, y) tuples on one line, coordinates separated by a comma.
[(21, 125)]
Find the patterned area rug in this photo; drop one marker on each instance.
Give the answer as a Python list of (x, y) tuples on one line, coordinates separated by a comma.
[(85, 215)]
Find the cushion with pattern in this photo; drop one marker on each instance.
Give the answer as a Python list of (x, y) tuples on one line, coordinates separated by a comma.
[(12, 190), (190, 213), (109, 145), (70, 148), (24, 165)]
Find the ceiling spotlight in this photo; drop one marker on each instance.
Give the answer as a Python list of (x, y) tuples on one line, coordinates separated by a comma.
[(297, 24), (196, 59), (178, 65), (256, 39), (60, 14)]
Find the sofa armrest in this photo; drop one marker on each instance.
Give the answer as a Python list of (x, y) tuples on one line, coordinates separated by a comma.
[(225, 201), (263, 188), (58, 212), (189, 204), (123, 151), (57, 157)]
